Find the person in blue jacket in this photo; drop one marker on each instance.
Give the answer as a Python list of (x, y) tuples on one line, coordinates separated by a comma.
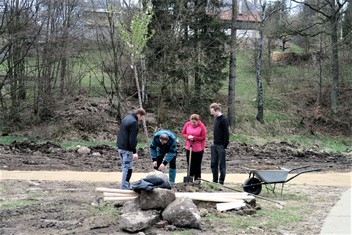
[(163, 149)]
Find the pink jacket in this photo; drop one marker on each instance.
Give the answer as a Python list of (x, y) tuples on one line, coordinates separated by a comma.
[(200, 134)]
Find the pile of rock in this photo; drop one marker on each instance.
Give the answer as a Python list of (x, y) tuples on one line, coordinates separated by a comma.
[(159, 206)]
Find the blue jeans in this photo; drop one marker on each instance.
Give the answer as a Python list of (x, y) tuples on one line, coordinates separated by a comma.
[(126, 165), (218, 160)]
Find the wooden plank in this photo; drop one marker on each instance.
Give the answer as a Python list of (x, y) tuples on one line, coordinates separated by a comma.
[(114, 190), (220, 197), (230, 205), (118, 198), (122, 195), (108, 194)]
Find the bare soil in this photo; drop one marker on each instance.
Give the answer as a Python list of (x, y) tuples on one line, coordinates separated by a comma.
[(68, 207)]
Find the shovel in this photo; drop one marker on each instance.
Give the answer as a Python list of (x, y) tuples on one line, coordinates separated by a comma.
[(188, 178)]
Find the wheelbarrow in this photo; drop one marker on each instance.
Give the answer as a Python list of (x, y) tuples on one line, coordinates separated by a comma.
[(270, 178)]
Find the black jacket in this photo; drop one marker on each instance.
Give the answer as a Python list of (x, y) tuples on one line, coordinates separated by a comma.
[(127, 136), (221, 131)]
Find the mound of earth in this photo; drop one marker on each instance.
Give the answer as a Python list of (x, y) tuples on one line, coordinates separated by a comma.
[(240, 157)]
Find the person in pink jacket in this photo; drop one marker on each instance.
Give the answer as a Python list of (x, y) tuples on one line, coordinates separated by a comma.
[(195, 134)]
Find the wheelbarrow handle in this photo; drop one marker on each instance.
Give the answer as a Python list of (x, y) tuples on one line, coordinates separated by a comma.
[(311, 170), (299, 168)]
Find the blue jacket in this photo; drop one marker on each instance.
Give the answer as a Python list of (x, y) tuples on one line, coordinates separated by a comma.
[(169, 149)]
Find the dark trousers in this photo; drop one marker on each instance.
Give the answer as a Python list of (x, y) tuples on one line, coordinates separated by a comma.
[(196, 164), (218, 161)]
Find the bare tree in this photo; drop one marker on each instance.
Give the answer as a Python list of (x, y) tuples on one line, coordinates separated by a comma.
[(330, 12), (260, 96), (18, 33)]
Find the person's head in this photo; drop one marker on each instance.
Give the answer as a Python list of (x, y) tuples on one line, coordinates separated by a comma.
[(215, 109), (140, 113), (194, 119), (164, 138)]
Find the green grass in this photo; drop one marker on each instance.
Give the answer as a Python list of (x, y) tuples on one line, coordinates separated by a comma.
[(275, 218), (16, 204), (105, 210), (295, 48), (9, 139), (269, 216), (326, 143)]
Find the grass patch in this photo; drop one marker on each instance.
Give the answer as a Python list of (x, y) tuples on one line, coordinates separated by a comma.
[(268, 218), (10, 139), (329, 144), (210, 187), (16, 204), (274, 218), (105, 210)]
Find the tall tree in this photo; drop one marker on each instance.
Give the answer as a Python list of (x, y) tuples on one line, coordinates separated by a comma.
[(136, 36), (260, 95), (188, 68)]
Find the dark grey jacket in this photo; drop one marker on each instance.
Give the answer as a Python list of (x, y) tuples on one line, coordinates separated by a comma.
[(127, 136)]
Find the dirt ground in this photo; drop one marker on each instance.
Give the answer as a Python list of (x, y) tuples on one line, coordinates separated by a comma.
[(71, 207)]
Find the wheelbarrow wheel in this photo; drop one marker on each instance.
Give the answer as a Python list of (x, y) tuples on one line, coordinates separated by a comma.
[(252, 185)]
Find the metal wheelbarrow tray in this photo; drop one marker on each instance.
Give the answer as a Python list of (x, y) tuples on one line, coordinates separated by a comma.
[(257, 178)]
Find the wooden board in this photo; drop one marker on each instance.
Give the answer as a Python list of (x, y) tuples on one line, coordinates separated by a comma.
[(230, 205), (118, 198), (216, 197), (115, 190), (122, 195), (107, 194)]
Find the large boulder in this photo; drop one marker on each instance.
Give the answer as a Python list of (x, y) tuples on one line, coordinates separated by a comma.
[(182, 213), (131, 206), (158, 198), (139, 220)]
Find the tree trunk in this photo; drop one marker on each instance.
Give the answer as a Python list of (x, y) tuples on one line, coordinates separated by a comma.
[(268, 79), (232, 76), (260, 113), (140, 101), (334, 63)]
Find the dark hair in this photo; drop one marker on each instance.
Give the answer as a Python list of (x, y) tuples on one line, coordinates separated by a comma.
[(140, 111), (164, 136)]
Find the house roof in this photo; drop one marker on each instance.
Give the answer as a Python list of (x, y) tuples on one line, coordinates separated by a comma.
[(248, 16)]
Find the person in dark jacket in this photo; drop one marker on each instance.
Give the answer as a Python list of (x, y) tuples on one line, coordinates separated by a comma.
[(220, 142), (127, 143), (163, 149)]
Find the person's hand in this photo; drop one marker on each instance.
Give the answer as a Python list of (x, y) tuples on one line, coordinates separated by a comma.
[(161, 167), (155, 164), (135, 156), (190, 137)]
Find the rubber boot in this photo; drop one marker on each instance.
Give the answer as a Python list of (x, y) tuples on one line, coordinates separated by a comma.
[(172, 175)]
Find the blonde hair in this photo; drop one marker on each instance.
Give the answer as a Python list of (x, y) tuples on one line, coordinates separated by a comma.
[(215, 106)]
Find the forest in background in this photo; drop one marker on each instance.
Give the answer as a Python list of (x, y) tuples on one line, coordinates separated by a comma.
[(289, 75)]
